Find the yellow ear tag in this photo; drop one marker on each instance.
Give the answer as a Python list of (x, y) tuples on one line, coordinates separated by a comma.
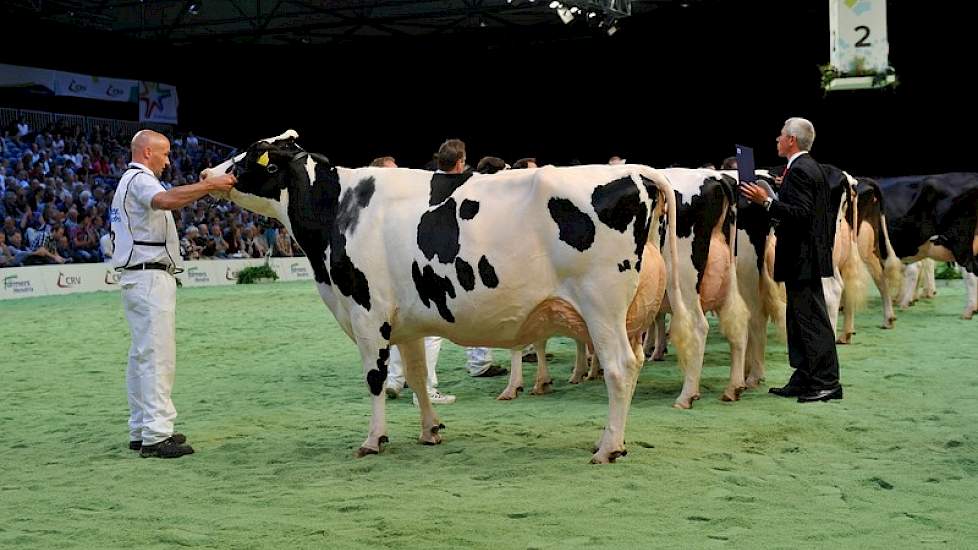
[(263, 159)]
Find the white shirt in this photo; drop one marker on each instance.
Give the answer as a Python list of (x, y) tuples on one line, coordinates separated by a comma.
[(793, 157), (134, 219)]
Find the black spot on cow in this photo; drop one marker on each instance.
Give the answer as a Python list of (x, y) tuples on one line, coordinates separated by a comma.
[(487, 273), (353, 201), (350, 280), (385, 330), (438, 233), (468, 209), (443, 185), (624, 266), (575, 227), (617, 203), (376, 377), (466, 276), (433, 288)]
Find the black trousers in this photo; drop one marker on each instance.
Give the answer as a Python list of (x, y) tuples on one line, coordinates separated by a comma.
[(811, 341)]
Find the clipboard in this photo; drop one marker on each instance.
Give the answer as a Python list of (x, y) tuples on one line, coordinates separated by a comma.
[(745, 164)]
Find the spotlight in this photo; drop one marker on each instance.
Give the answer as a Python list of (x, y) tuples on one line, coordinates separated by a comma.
[(565, 14), (193, 8)]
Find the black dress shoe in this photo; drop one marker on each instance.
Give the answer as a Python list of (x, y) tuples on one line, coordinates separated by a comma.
[(168, 448), (788, 391), (493, 370), (821, 395), (179, 439)]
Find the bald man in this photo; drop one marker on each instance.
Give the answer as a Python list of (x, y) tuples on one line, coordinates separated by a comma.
[(147, 252)]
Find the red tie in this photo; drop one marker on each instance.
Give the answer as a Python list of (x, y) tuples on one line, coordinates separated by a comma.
[(785, 172)]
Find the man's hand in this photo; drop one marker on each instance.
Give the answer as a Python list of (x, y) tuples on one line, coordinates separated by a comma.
[(220, 184), (753, 193)]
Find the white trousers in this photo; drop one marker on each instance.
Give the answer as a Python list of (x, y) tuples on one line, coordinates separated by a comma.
[(479, 360), (395, 366), (149, 301)]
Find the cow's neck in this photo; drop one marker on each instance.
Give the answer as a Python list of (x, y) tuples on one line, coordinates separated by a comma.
[(313, 197)]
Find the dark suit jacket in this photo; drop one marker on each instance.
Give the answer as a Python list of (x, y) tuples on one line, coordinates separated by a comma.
[(804, 247)]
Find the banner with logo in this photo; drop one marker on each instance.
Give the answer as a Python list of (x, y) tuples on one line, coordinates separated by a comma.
[(48, 280), (94, 87), (858, 39), (157, 102), (16, 76)]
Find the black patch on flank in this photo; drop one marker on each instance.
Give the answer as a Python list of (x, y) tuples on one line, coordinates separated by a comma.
[(385, 330), (466, 277), (432, 287), (353, 201), (376, 377), (438, 233), (443, 185), (617, 203), (350, 280), (575, 227), (468, 209), (624, 266), (487, 273)]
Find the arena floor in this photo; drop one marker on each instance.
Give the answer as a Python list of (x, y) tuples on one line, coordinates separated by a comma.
[(269, 392)]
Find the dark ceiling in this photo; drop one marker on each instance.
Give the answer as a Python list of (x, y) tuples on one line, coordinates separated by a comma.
[(287, 22)]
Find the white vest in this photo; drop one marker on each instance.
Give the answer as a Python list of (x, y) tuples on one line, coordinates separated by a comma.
[(141, 233)]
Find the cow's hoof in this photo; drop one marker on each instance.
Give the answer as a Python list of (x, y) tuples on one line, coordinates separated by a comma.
[(364, 451), (544, 388), (685, 403), (967, 316), (752, 382), (510, 393), (596, 376), (732, 394), (659, 357), (845, 340), (888, 324), (601, 458)]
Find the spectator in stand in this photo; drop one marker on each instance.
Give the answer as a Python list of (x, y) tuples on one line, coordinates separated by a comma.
[(528, 162), (490, 165), (283, 244), (85, 239), (383, 162), (7, 256)]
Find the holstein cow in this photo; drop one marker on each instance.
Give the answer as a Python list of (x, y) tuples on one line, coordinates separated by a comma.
[(707, 273), (935, 217), (921, 282), (875, 248), (497, 260)]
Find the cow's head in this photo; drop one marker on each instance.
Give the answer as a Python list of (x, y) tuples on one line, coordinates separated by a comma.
[(264, 172)]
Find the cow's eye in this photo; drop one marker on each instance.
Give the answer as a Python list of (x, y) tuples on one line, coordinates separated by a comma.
[(272, 168)]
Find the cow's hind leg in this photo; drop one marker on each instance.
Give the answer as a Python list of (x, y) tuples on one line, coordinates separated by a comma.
[(543, 382), (617, 356), (415, 371), (580, 364), (734, 316), (971, 284)]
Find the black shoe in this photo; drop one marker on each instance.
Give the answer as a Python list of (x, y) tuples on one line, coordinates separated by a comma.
[(168, 448), (788, 391), (179, 439), (532, 357), (821, 395), (493, 370)]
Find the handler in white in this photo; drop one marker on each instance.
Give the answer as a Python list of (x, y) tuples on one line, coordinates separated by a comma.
[(147, 251)]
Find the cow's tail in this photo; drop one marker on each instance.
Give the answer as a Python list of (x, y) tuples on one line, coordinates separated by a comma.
[(853, 270), (892, 266), (772, 293), (681, 326)]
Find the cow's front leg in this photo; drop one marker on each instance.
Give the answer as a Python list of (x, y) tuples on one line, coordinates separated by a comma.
[(971, 284), (375, 353), (415, 371), (661, 339), (543, 383)]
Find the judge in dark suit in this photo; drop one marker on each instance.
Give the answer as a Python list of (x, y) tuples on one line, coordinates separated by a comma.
[(803, 256)]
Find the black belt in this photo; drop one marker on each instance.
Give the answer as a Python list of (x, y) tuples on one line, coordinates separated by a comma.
[(151, 265)]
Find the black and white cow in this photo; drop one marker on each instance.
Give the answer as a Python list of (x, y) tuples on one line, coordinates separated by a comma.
[(708, 275), (875, 248), (935, 217), (497, 260)]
